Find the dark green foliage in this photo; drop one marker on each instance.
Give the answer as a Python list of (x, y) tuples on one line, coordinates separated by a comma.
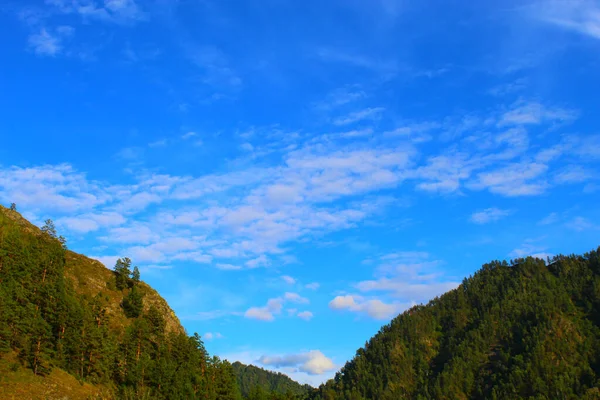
[(256, 383), (512, 331), (49, 326), (133, 303), (123, 272)]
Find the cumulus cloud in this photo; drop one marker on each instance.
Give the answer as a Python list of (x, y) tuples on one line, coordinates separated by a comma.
[(274, 307), (312, 362), (374, 308), (288, 279), (266, 313), (312, 286), (305, 315)]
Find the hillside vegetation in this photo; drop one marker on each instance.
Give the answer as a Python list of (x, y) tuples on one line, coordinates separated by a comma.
[(257, 384), (69, 329), (524, 330)]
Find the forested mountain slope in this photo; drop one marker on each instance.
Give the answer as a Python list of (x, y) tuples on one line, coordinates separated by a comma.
[(255, 383), (524, 330), (70, 328)]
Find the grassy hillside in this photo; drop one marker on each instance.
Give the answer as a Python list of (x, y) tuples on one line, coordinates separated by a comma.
[(70, 328), (524, 330), (90, 277)]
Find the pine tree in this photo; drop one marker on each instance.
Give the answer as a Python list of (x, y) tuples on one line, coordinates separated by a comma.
[(49, 228), (123, 271), (135, 275), (133, 303), (13, 207)]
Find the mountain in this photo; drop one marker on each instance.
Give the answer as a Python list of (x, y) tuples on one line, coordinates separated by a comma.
[(253, 379), (520, 330), (71, 328)]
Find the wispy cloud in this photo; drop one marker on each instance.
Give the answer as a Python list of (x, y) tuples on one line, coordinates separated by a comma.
[(44, 43), (489, 215), (534, 114), (367, 113), (113, 11), (581, 224), (383, 67), (581, 16), (530, 249)]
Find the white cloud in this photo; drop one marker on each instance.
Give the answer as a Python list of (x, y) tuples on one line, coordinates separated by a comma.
[(374, 308), (132, 234), (195, 256), (535, 114), (489, 215), (188, 135), (581, 16), (45, 44), (549, 219), (80, 225), (288, 279), (367, 113), (295, 298), (212, 336), (408, 276), (518, 179), (312, 362), (108, 261), (228, 267), (266, 313), (305, 315), (312, 286), (91, 222), (274, 307), (261, 260), (572, 174), (581, 224), (113, 11), (530, 249)]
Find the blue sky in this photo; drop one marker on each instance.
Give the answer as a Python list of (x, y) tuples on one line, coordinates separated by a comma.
[(291, 175)]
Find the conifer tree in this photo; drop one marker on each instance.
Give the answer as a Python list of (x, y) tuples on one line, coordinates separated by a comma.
[(123, 271), (135, 275), (133, 303)]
